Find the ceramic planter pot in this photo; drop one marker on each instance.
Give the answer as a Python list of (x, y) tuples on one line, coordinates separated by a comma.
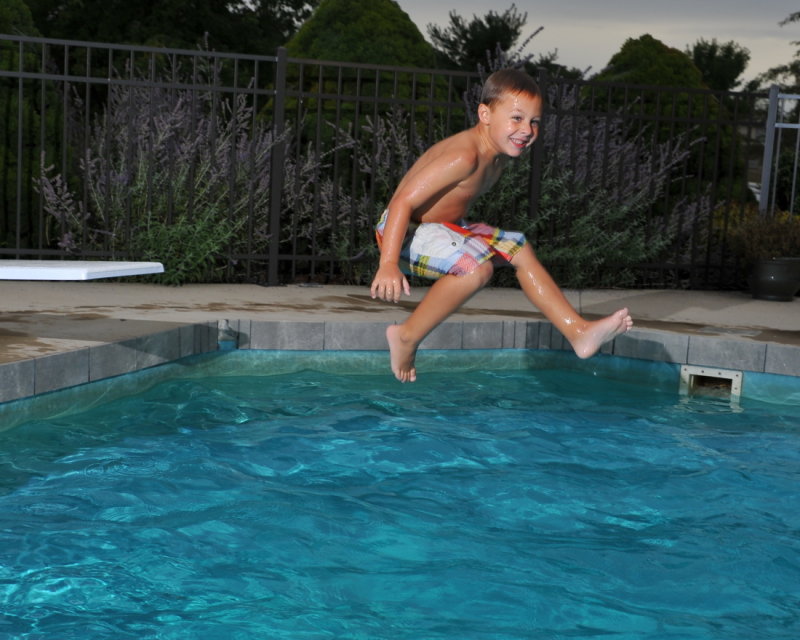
[(775, 279)]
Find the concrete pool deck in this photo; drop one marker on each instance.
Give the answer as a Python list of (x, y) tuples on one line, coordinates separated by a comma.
[(59, 334)]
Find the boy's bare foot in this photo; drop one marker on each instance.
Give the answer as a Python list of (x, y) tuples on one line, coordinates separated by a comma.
[(598, 332), (401, 354)]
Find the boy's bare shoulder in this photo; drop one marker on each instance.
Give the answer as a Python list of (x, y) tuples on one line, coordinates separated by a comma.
[(460, 150)]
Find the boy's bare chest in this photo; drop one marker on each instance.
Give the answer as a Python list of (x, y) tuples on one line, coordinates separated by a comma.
[(483, 179)]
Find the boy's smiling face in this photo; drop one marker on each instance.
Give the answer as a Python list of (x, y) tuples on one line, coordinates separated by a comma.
[(512, 122)]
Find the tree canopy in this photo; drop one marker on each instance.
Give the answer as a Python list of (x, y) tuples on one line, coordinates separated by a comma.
[(646, 60), (465, 45), (257, 26), (16, 18), (787, 74), (483, 41), (721, 64), (377, 32)]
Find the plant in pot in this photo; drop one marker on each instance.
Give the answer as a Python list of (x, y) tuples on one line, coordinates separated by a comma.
[(769, 245)]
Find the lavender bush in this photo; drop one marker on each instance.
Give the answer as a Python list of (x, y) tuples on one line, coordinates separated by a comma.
[(166, 175), (182, 177)]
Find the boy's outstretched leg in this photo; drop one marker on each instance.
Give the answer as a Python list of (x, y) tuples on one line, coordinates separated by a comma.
[(585, 336), (445, 296)]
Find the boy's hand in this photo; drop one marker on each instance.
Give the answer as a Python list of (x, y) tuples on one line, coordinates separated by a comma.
[(389, 283)]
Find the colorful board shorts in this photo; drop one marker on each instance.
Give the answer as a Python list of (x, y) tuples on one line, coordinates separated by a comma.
[(434, 249)]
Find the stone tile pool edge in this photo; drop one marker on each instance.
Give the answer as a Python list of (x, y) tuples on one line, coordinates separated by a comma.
[(39, 377)]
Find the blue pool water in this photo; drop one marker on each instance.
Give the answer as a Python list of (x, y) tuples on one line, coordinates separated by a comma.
[(475, 504)]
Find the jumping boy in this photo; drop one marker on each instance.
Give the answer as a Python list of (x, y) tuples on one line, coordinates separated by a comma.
[(423, 231)]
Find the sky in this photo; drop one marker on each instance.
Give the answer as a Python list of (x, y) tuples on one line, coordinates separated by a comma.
[(586, 33)]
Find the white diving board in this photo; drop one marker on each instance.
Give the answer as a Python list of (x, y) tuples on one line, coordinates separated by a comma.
[(74, 269)]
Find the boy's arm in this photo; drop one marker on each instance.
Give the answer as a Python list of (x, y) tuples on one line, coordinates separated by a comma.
[(389, 281), (424, 187)]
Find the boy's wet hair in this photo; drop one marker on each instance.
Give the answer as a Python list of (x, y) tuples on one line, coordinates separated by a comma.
[(507, 81)]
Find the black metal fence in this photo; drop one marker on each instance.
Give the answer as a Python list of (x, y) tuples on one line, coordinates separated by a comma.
[(272, 169)]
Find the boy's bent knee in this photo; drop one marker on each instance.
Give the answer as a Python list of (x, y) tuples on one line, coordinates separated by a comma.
[(484, 272)]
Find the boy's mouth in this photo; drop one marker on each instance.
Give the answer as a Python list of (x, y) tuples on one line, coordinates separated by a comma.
[(520, 143)]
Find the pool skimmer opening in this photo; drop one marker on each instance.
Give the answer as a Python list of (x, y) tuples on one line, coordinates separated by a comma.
[(710, 381)]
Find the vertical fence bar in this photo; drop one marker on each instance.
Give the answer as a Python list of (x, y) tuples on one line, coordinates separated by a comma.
[(769, 146), (276, 167), (537, 153), (20, 111)]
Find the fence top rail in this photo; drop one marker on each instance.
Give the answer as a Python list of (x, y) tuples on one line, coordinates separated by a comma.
[(384, 67), (135, 48)]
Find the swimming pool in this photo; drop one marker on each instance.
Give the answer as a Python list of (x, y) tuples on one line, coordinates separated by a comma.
[(327, 501)]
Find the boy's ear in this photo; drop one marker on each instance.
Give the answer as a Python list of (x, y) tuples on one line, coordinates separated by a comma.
[(483, 113)]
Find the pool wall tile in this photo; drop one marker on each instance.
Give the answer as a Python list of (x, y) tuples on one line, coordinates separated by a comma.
[(446, 336), (557, 341), (514, 334), (782, 359), (551, 338), (205, 337), (61, 370), (522, 329), (293, 336), (482, 335), (16, 380), (730, 354), (341, 336), (186, 338), (543, 335), (659, 346), (532, 335), (243, 329), (157, 348), (113, 359), (509, 335)]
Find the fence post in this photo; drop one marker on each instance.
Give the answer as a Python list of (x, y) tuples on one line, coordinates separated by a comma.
[(537, 152), (769, 146), (276, 169)]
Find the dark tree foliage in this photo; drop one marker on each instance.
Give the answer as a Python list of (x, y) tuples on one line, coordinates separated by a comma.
[(244, 27), (375, 32), (787, 75), (16, 19), (276, 21), (465, 45), (646, 60), (721, 64), (700, 116), (496, 36)]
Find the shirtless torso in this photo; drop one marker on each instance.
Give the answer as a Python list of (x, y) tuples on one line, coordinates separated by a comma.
[(472, 171)]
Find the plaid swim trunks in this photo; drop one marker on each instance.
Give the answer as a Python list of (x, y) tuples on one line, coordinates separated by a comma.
[(434, 249)]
